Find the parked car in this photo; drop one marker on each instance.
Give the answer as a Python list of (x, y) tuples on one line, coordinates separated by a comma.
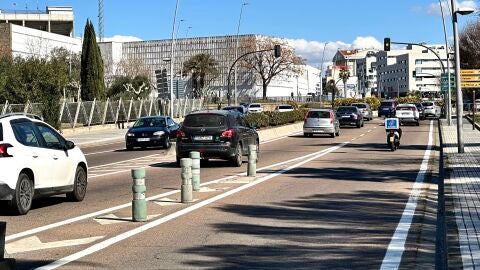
[(216, 134), (244, 104), (284, 108), (254, 108), (151, 131), (421, 109), (240, 109), (35, 161), (350, 115), (365, 109), (321, 121), (387, 108), (408, 113), (431, 109)]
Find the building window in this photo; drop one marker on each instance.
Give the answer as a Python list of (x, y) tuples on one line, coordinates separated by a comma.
[(418, 61)]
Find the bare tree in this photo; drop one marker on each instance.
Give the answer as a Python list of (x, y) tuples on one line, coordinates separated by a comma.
[(470, 46), (266, 65)]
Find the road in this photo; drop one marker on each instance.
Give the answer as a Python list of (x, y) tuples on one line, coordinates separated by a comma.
[(316, 203)]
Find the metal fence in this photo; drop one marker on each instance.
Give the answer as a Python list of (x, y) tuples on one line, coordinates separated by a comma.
[(87, 113)]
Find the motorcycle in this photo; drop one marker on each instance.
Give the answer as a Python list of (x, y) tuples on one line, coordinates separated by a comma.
[(393, 138)]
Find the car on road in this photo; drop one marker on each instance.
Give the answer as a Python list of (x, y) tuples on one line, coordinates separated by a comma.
[(431, 109), (321, 121), (151, 131), (407, 113), (36, 161), (240, 109), (387, 108), (284, 108), (216, 134), (420, 108), (350, 115), (365, 109), (254, 108)]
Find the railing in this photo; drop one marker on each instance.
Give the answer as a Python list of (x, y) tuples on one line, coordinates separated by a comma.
[(87, 113)]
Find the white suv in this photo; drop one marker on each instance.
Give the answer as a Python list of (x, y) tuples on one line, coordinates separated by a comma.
[(35, 160)]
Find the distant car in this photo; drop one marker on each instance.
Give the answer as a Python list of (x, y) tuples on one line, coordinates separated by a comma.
[(254, 108), (365, 109), (321, 121), (151, 131), (244, 104), (216, 134), (284, 108), (408, 113), (387, 108), (421, 109), (431, 109), (239, 109), (36, 161), (350, 115)]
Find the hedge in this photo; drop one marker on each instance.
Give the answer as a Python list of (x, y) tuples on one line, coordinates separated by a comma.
[(266, 119), (372, 101)]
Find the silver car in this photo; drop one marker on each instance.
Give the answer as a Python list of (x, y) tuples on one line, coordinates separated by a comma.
[(321, 121), (365, 109)]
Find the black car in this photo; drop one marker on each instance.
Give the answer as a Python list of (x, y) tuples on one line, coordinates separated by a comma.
[(421, 109), (216, 134), (240, 109), (151, 131), (350, 115), (387, 108)]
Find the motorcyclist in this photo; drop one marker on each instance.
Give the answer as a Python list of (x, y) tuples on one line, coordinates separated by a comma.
[(392, 126)]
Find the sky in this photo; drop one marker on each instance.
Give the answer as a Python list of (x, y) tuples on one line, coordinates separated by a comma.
[(307, 24)]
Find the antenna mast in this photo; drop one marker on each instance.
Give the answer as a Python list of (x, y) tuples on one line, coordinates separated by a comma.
[(100, 20)]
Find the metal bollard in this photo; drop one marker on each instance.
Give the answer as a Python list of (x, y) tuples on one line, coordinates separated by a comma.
[(252, 160), (195, 156), (139, 204), (3, 229), (187, 191)]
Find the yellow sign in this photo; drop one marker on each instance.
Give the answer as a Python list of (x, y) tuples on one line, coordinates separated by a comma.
[(470, 78), (470, 72), (470, 84)]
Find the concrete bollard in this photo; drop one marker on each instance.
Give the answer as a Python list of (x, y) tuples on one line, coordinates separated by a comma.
[(187, 190), (195, 156), (139, 204), (252, 160)]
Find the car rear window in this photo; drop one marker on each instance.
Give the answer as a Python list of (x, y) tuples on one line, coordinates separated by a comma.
[(318, 114), (285, 107), (255, 106), (405, 109), (1, 132), (427, 103), (149, 122), (205, 120), (360, 105), (347, 109), (386, 103)]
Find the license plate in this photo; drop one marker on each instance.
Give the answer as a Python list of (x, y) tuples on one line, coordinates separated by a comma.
[(203, 138), (345, 116), (404, 113), (318, 130), (143, 139), (392, 139)]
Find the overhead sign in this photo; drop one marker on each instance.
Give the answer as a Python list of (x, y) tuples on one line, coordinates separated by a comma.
[(470, 84), (470, 78), (470, 72)]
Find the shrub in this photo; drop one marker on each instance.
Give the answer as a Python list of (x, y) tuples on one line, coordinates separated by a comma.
[(258, 120), (275, 118), (410, 99), (372, 101), (293, 104)]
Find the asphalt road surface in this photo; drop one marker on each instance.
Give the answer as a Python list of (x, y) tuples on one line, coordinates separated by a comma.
[(316, 203)]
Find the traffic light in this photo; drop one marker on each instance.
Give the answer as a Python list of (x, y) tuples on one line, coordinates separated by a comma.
[(277, 51), (386, 44)]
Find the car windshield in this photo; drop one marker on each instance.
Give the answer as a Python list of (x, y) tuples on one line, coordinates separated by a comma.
[(205, 120), (318, 114), (255, 106), (386, 103), (347, 110), (149, 122), (405, 109), (360, 105), (427, 103), (285, 107)]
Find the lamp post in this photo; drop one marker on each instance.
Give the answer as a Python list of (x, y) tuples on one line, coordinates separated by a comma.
[(236, 51), (462, 11), (172, 58), (321, 69), (449, 97)]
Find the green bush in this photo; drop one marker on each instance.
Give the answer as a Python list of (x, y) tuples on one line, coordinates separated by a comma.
[(372, 101), (258, 120), (410, 99), (293, 104), (265, 119)]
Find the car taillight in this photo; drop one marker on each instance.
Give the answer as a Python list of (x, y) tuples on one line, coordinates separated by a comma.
[(331, 118), (229, 133), (3, 150), (180, 134)]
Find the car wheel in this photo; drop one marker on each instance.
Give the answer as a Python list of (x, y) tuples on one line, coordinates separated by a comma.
[(359, 125), (418, 123), (79, 186), (237, 160), (166, 143), (338, 132), (305, 134), (23, 195), (129, 148), (178, 162), (332, 135), (363, 123)]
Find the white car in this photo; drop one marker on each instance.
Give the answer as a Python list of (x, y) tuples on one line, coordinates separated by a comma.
[(284, 108), (254, 108), (407, 113), (431, 109), (35, 161)]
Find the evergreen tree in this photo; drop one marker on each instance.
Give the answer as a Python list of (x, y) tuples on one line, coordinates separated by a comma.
[(91, 73)]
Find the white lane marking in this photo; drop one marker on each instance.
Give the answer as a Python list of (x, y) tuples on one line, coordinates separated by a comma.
[(280, 138), (33, 243), (118, 162), (111, 241), (166, 202), (114, 219), (102, 152), (353, 139), (118, 207), (374, 127), (395, 249), (369, 131), (361, 135)]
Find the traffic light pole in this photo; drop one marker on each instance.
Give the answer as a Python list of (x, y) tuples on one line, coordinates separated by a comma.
[(421, 45)]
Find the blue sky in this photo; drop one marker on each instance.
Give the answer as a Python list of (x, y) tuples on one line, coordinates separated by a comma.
[(307, 23)]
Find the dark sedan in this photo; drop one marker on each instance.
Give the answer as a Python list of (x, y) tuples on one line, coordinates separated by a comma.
[(350, 115), (151, 131)]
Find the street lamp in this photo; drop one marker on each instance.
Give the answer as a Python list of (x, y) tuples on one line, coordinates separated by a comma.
[(321, 69), (461, 11), (236, 50), (449, 98), (172, 58)]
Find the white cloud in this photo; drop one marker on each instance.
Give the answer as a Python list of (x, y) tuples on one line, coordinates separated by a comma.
[(367, 43), (434, 8), (120, 38)]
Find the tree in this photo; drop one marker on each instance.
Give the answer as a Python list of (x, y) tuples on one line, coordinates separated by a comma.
[(203, 68), (127, 87), (332, 88), (266, 65), (470, 46), (91, 73), (344, 75)]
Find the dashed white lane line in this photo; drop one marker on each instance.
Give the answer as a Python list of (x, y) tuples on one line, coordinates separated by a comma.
[(353, 139), (393, 256), (111, 241), (369, 131), (361, 135)]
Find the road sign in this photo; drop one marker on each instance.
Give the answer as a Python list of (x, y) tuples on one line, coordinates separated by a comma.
[(470, 72), (444, 82), (470, 84), (470, 78)]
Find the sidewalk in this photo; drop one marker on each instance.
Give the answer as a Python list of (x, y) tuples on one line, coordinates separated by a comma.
[(462, 195)]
